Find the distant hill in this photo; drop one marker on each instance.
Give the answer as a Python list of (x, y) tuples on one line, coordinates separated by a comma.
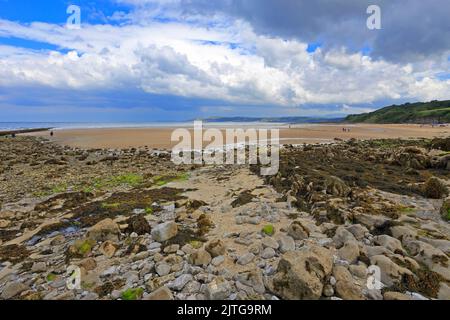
[(420, 112), (291, 120)]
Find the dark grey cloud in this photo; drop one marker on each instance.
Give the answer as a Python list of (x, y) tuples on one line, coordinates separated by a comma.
[(411, 29)]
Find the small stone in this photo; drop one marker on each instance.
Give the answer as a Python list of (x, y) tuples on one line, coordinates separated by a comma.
[(179, 283), (108, 249), (217, 261), (246, 259), (396, 296), (268, 253), (218, 289), (165, 231), (4, 224), (162, 269), (104, 230), (39, 267), (254, 220), (253, 279), (286, 243), (154, 245), (216, 248), (172, 248), (298, 230), (161, 294), (88, 264), (328, 290), (270, 243), (200, 258)]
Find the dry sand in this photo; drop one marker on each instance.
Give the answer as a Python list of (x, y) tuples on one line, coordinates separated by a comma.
[(160, 137)]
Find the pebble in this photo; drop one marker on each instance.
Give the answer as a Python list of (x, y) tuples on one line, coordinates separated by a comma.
[(179, 283), (246, 259), (163, 269), (270, 243), (217, 261), (268, 253)]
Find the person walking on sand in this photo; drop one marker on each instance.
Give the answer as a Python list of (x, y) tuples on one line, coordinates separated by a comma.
[(51, 133)]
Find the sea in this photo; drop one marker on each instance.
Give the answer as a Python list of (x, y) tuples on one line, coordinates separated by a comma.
[(7, 126)]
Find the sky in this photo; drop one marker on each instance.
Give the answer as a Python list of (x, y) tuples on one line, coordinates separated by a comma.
[(175, 60)]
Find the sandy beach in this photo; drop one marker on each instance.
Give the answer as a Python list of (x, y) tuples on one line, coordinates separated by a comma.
[(159, 138)]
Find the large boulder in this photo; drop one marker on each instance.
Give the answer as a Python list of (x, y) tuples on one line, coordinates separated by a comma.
[(434, 188), (286, 243), (218, 289), (391, 273), (215, 248), (165, 231), (345, 284), (336, 187), (342, 236), (389, 243), (138, 224), (433, 258), (349, 252), (104, 230), (200, 257), (298, 230), (300, 274), (12, 289)]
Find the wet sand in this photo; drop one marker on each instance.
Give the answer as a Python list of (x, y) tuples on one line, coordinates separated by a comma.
[(160, 138)]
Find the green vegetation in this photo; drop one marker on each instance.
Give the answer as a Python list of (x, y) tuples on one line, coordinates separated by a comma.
[(50, 190), (162, 181), (149, 211), (108, 183), (51, 277), (196, 244), (130, 179), (60, 188), (110, 205), (420, 112), (132, 294), (268, 230), (447, 215), (406, 210), (83, 247)]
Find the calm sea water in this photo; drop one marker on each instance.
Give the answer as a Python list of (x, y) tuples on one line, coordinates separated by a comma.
[(88, 125)]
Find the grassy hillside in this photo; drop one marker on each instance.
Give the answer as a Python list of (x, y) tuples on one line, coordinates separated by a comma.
[(420, 112)]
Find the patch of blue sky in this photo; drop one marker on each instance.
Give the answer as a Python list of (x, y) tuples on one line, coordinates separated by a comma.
[(366, 50), (55, 11), (443, 76), (312, 47), (29, 44), (231, 45)]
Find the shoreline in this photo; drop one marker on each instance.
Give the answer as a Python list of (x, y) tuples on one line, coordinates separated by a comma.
[(160, 137), (22, 131)]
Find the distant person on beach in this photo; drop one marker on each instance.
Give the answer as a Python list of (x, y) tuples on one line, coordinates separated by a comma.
[(51, 133)]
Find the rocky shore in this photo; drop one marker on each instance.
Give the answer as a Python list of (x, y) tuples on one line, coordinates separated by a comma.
[(130, 225)]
